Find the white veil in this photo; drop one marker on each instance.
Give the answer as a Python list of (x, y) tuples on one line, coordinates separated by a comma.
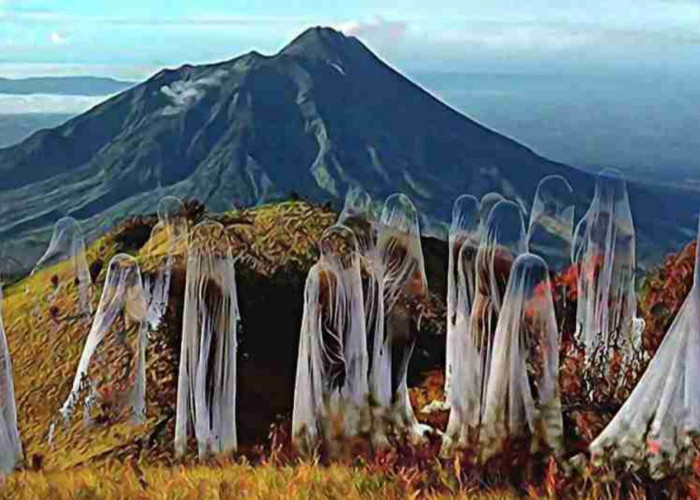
[(522, 396), (167, 237), (331, 395), (604, 251), (502, 240), (552, 223), (404, 285), (111, 374), (358, 215), (488, 201), (655, 425), (206, 395), (68, 246), (10, 444), (461, 281), (170, 208)]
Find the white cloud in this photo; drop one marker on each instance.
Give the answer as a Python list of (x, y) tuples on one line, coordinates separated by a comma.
[(57, 38), (11, 104), (379, 30), (185, 93)]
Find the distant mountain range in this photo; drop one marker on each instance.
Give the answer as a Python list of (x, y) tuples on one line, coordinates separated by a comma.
[(63, 85), (320, 116), (51, 101)]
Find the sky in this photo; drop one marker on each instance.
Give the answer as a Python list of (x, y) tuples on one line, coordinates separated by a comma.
[(132, 39)]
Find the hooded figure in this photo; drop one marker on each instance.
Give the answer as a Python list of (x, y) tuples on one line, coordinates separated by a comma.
[(331, 396), (522, 396), (67, 247), (404, 287), (656, 425), (502, 240), (550, 233), (461, 282), (170, 209), (604, 252), (111, 375), (206, 392), (488, 201), (551, 225), (167, 237), (10, 444), (357, 216)]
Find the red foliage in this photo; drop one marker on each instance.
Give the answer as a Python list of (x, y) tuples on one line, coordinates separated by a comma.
[(663, 293)]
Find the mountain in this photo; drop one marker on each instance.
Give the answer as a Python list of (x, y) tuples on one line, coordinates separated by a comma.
[(319, 116), (15, 128), (63, 85)]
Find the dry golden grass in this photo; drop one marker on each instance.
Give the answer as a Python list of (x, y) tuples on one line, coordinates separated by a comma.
[(223, 481)]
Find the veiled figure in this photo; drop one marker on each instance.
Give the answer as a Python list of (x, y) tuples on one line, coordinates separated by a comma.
[(206, 395), (168, 237), (66, 256), (604, 252), (502, 240), (551, 225), (487, 202), (170, 209), (549, 235), (10, 444), (656, 425), (404, 287), (331, 396), (111, 375), (522, 397), (358, 215), (463, 244)]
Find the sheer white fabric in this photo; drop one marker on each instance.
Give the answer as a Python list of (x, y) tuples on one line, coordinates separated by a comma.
[(167, 238), (551, 225), (111, 375), (404, 285), (502, 240), (67, 247), (461, 281), (604, 252), (522, 395), (170, 209), (10, 444), (206, 396), (488, 201), (358, 215), (655, 426), (331, 396)]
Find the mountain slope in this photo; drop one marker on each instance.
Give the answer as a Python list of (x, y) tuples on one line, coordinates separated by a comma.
[(321, 115), (15, 128)]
